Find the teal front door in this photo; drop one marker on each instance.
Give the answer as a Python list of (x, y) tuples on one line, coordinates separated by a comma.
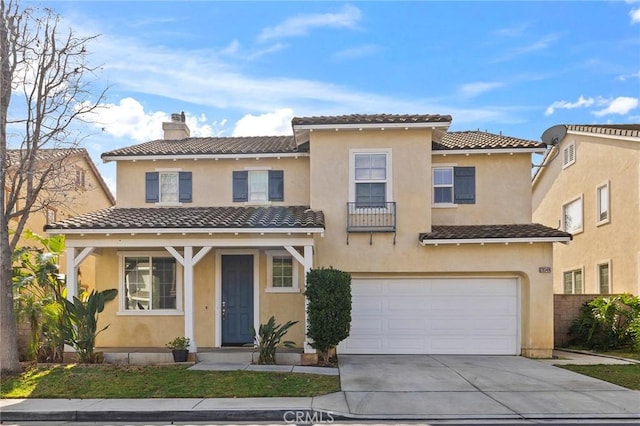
[(237, 299)]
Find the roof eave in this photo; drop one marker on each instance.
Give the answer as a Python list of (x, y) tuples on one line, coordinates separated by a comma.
[(161, 157), (487, 151), (160, 231), (362, 126), (482, 241)]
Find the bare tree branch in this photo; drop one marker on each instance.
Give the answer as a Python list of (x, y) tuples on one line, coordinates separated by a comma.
[(46, 68)]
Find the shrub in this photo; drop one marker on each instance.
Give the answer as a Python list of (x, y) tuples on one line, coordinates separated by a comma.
[(179, 343), (269, 338), (329, 309), (608, 322)]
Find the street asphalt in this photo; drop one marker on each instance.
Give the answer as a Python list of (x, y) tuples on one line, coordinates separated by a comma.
[(383, 388)]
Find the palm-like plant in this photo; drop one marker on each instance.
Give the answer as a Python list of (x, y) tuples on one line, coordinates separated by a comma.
[(269, 337)]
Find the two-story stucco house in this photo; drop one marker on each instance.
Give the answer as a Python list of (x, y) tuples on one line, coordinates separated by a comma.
[(75, 187), (211, 236), (589, 186)]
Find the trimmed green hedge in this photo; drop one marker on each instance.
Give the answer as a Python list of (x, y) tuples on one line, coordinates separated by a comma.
[(329, 308)]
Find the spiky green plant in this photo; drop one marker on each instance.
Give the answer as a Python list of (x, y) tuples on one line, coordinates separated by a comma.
[(269, 337)]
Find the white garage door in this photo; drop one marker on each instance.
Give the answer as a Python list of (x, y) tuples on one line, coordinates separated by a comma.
[(434, 316)]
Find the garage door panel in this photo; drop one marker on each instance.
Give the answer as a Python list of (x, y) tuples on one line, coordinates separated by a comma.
[(443, 316)]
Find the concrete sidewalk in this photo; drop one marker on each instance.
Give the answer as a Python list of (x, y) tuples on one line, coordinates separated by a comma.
[(403, 387)]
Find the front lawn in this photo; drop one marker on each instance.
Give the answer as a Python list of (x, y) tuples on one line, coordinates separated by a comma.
[(172, 381), (627, 375)]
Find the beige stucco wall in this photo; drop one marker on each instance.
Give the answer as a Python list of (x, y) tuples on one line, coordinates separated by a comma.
[(149, 330), (598, 160), (212, 180), (503, 190)]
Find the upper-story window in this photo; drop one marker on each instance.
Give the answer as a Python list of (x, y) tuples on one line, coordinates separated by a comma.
[(370, 177), (51, 215), (572, 216), (454, 185), (602, 204), (569, 154), (168, 186), (80, 178), (258, 186)]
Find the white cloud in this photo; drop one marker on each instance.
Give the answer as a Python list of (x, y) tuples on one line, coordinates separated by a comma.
[(580, 103), (477, 88), (128, 119), (632, 75), (635, 16), (301, 25), (271, 123), (538, 45), (621, 105), (357, 52)]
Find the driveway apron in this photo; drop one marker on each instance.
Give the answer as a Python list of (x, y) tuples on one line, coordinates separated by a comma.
[(448, 386)]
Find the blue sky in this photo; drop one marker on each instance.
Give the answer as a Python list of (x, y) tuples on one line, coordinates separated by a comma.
[(245, 68)]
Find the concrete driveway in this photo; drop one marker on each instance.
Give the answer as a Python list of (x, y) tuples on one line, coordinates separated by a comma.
[(478, 387)]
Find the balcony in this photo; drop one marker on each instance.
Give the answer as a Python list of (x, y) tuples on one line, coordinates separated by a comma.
[(370, 218)]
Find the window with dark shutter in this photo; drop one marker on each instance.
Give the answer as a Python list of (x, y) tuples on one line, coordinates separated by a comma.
[(464, 185), (276, 185), (240, 186), (152, 187), (184, 187)]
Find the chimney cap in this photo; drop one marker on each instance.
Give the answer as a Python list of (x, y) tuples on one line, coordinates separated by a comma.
[(178, 117)]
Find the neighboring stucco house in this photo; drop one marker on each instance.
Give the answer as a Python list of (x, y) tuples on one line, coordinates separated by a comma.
[(589, 185), (75, 187), (211, 236)]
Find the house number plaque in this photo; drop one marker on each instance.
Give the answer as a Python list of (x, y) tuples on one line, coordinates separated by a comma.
[(544, 269)]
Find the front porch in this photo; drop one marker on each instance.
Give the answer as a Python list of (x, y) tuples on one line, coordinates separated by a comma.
[(157, 355)]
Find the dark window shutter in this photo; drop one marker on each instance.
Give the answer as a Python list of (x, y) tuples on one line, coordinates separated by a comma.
[(276, 185), (464, 185), (184, 187), (152, 187), (240, 186)]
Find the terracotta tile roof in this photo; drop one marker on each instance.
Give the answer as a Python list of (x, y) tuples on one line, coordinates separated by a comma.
[(371, 119), (607, 129), (476, 139), (210, 145), (52, 154), (117, 218), (481, 232)]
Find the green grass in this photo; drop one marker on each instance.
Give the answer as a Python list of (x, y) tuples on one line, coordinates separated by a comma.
[(623, 354), (174, 381), (627, 375)]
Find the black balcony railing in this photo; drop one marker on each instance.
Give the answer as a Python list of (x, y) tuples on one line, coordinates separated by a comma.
[(371, 217)]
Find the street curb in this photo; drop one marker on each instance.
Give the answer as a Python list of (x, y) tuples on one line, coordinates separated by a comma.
[(305, 416), (279, 415)]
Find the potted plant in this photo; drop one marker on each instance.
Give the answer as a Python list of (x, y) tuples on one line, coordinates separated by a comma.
[(179, 348)]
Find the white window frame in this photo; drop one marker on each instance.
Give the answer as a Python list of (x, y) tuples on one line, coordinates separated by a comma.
[(580, 198), (295, 287), (433, 185), (606, 220), (148, 312), (573, 279), (162, 171), (352, 172), (598, 265), (250, 195), (50, 211), (569, 154)]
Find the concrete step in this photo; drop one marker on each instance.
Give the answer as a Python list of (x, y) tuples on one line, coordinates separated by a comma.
[(248, 357)]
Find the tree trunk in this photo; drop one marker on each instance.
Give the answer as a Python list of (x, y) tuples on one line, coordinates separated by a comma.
[(9, 362)]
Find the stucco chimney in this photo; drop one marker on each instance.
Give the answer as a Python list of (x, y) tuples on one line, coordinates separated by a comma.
[(177, 128)]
